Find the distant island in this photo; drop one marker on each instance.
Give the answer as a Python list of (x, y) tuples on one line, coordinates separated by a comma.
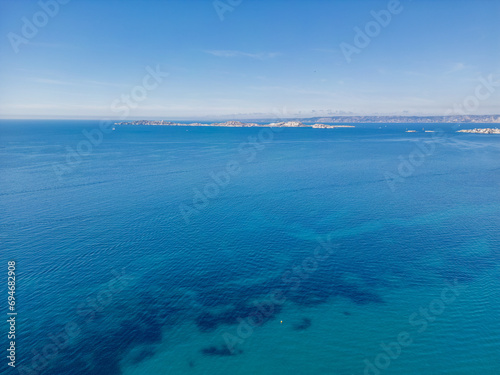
[(481, 131), (343, 121), (235, 124)]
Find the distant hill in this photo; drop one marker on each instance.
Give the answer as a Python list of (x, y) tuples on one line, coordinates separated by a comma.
[(482, 119)]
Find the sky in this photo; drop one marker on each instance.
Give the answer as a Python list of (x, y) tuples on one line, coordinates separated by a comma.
[(192, 59)]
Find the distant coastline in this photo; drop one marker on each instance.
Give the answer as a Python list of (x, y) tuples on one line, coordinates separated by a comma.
[(452, 119), (338, 121)]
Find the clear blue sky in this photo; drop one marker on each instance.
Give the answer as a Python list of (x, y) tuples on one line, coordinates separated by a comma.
[(265, 54)]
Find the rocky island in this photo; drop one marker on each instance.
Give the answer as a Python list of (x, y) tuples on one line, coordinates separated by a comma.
[(323, 126), (480, 131)]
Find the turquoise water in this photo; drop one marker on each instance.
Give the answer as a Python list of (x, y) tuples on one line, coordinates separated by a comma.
[(179, 250)]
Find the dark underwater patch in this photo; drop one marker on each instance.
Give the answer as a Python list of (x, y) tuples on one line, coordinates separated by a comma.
[(220, 351), (320, 287), (210, 305), (141, 355), (216, 296), (464, 269), (359, 296), (305, 323), (100, 351), (209, 321)]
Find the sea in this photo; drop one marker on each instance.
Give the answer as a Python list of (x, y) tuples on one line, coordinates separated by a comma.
[(144, 250)]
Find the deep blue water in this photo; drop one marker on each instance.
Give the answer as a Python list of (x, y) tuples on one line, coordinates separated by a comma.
[(408, 222)]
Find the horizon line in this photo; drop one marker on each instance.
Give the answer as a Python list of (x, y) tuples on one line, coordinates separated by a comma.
[(235, 118)]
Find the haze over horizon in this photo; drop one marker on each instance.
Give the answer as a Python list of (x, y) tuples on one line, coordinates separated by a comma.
[(246, 61)]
